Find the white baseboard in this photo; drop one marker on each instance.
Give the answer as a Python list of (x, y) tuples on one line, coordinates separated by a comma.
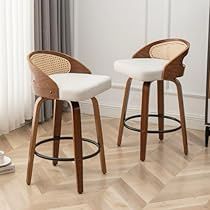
[(193, 121)]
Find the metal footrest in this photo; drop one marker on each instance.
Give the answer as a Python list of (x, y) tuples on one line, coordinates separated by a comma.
[(64, 139), (153, 131)]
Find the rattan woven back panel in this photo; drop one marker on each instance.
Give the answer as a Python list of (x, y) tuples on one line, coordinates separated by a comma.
[(167, 50), (51, 64)]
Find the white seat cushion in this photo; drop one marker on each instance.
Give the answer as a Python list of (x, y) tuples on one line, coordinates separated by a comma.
[(79, 87), (144, 69)]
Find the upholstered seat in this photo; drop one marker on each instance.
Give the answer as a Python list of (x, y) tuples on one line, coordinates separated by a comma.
[(144, 69), (79, 87)]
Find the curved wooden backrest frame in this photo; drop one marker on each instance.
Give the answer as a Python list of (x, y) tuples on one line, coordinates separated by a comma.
[(175, 67), (43, 85)]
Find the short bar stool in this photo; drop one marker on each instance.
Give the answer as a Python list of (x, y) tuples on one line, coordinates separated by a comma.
[(158, 61), (59, 77)]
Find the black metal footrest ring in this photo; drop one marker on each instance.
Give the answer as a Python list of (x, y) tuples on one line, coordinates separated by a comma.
[(97, 145), (153, 131)]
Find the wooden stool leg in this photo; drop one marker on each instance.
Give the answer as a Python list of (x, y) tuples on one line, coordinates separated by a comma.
[(123, 112), (160, 94), (207, 133), (35, 122), (182, 115), (77, 138), (58, 107), (99, 134), (144, 119)]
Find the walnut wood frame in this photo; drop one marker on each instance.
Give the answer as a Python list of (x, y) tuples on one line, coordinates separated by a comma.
[(45, 88), (174, 69)]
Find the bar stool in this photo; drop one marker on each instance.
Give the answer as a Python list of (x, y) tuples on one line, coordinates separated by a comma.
[(158, 61), (59, 77)]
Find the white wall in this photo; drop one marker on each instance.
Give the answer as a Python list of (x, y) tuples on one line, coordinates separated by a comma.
[(114, 29)]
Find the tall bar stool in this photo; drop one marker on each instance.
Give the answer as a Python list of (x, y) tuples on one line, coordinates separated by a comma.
[(59, 77), (158, 61)]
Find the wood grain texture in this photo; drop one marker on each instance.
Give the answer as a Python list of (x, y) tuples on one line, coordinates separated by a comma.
[(124, 110), (99, 134), (160, 102), (167, 180), (77, 139), (182, 115), (57, 118), (33, 139), (144, 119)]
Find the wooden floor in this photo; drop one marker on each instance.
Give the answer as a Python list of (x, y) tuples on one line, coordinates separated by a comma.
[(166, 180)]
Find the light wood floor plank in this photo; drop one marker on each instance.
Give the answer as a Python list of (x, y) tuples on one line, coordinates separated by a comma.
[(167, 180)]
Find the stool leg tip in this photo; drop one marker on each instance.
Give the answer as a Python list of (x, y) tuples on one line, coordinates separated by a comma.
[(80, 191), (28, 182), (104, 171), (142, 159), (55, 163)]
